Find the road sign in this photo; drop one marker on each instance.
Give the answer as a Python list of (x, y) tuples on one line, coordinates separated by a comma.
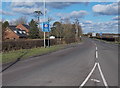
[(93, 34), (46, 27), (100, 33)]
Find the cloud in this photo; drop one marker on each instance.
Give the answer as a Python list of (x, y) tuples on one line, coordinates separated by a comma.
[(106, 27), (22, 4), (109, 9), (26, 8), (56, 5), (60, 5), (29, 7), (25, 11), (87, 22), (73, 14), (78, 14), (116, 18), (6, 13)]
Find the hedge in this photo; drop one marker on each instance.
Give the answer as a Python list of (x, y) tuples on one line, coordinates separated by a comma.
[(28, 44)]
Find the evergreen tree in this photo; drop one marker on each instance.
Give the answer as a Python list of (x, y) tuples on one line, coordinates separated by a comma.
[(4, 26), (34, 31)]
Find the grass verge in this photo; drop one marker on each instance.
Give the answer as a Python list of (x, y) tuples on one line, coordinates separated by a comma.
[(26, 53)]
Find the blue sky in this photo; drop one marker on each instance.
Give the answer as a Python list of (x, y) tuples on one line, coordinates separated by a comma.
[(93, 16)]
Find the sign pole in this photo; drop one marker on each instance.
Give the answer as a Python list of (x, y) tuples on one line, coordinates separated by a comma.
[(44, 41), (44, 21), (48, 40)]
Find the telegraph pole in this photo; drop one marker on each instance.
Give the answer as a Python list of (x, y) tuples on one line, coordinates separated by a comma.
[(49, 19)]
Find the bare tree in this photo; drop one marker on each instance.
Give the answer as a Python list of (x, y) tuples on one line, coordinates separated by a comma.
[(21, 20)]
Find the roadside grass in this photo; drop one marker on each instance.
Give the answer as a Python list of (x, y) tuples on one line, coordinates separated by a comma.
[(26, 53), (0, 58)]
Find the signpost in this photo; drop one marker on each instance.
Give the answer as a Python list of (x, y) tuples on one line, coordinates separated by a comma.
[(46, 25), (46, 28)]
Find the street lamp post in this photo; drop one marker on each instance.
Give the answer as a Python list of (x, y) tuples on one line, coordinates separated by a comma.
[(44, 21), (38, 15), (76, 25)]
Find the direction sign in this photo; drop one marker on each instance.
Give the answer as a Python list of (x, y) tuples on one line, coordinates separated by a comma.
[(46, 27)]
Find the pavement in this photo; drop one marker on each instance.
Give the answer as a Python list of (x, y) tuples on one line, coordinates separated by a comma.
[(91, 63)]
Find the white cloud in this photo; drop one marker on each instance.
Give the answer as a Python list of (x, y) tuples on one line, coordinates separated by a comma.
[(26, 11), (6, 13), (78, 14), (22, 4), (74, 14), (116, 18), (60, 5), (26, 8), (108, 27), (109, 9), (56, 5), (87, 22)]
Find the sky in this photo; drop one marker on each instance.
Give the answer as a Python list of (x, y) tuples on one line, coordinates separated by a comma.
[(93, 16)]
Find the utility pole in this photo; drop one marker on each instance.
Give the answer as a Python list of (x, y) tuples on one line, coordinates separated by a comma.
[(61, 28), (49, 33)]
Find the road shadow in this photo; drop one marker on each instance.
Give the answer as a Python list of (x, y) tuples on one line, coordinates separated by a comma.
[(12, 63)]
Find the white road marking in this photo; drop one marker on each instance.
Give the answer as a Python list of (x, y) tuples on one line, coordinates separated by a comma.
[(103, 78), (101, 73), (95, 80), (84, 82), (96, 48), (96, 54)]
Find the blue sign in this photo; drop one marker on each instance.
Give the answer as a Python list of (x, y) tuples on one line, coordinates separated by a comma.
[(100, 33), (46, 27)]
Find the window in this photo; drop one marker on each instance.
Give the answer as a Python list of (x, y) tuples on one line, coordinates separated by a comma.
[(24, 32), (20, 32), (15, 31)]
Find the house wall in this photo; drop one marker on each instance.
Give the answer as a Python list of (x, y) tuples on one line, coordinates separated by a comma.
[(9, 34)]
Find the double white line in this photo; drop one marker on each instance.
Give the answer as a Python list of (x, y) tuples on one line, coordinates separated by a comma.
[(101, 73)]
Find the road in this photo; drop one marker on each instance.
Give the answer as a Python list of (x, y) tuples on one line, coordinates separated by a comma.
[(68, 67)]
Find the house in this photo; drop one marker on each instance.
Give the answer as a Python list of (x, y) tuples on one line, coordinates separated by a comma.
[(12, 32), (24, 27), (16, 32)]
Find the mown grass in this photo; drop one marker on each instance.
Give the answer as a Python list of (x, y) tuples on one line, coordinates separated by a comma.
[(26, 53)]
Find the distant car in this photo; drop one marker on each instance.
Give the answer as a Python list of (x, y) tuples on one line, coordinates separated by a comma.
[(52, 37)]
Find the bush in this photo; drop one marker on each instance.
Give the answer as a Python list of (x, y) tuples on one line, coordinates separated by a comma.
[(24, 44), (33, 43)]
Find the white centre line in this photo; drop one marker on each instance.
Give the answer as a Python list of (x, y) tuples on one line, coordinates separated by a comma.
[(96, 48), (96, 54)]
